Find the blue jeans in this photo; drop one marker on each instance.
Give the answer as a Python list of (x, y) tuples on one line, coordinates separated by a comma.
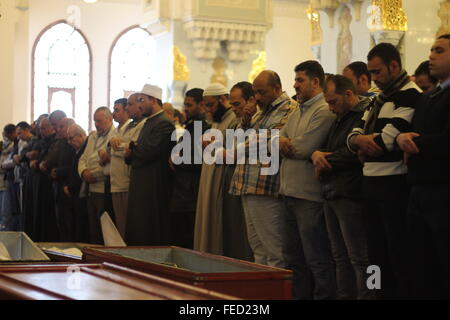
[(346, 230), (306, 249)]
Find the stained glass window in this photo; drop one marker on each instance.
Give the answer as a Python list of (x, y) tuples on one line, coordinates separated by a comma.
[(132, 63), (62, 74)]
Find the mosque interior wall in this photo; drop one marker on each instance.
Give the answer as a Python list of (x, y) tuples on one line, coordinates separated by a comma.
[(286, 44)]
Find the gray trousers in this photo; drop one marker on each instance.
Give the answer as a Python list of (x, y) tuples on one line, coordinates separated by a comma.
[(349, 248), (96, 207), (120, 204), (264, 228)]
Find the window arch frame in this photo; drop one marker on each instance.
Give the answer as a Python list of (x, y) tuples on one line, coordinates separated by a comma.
[(111, 49), (33, 69)]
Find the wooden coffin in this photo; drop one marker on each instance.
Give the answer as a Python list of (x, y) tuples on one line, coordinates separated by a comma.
[(230, 276), (64, 251), (18, 247), (93, 282)]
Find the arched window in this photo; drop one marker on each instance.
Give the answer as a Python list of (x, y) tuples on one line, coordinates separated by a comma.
[(62, 73), (132, 61)]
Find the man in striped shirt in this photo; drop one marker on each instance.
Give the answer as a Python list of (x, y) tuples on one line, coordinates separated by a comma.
[(385, 187)]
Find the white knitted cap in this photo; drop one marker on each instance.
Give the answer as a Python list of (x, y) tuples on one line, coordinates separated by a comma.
[(215, 89)]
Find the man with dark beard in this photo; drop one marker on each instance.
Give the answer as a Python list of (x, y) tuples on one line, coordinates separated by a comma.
[(187, 175), (148, 219), (208, 235)]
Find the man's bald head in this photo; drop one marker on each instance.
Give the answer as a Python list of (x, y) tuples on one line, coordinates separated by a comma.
[(267, 87), (271, 78)]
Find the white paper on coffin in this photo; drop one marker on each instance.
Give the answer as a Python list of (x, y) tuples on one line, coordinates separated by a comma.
[(111, 236), (4, 253)]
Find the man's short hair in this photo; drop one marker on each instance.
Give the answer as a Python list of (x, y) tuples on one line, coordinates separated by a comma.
[(341, 83), (196, 94), (424, 69), (386, 52), (106, 110), (246, 89), (9, 128), (44, 115), (177, 114), (41, 118), (313, 69), (24, 125), (123, 102), (69, 122), (167, 106), (77, 130), (58, 115), (359, 69)]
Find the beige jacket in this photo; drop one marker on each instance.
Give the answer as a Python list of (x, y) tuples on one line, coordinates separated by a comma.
[(90, 159), (120, 171)]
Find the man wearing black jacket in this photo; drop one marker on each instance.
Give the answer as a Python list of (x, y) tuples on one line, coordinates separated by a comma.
[(44, 219), (58, 166), (148, 219), (340, 173), (187, 176), (428, 151), (77, 138)]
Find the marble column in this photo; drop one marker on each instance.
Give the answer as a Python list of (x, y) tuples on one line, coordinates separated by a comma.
[(390, 23)]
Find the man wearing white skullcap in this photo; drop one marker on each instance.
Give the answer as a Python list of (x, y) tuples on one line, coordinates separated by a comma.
[(215, 100), (208, 235), (148, 220), (152, 96), (215, 89)]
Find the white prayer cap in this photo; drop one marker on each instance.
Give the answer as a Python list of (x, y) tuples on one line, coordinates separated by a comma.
[(152, 91), (215, 89)]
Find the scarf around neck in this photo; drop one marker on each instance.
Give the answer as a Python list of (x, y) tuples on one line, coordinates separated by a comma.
[(395, 86)]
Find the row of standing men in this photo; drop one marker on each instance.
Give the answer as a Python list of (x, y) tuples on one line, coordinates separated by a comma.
[(338, 203), (359, 207)]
